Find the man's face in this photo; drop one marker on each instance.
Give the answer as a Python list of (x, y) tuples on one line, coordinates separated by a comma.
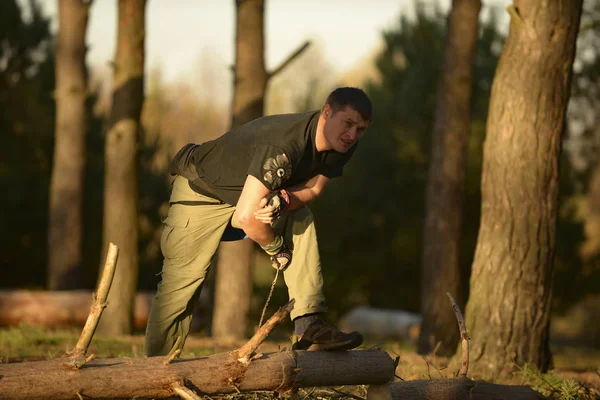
[(343, 129)]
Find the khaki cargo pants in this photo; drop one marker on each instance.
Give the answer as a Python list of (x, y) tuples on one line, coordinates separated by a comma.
[(189, 241)]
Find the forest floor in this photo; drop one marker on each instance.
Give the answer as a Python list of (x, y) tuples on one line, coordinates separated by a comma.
[(576, 374)]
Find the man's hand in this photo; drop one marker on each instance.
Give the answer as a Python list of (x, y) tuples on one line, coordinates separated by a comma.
[(282, 259), (272, 205), (280, 253)]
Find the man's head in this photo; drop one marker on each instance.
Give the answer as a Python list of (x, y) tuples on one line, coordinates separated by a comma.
[(346, 115)]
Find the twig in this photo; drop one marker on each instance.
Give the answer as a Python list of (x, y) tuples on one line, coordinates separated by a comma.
[(184, 392), (232, 383), (347, 394), (174, 352), (428, 373), (375, 346), (288, 60), (437, 347), (309, 393), (245, 352), (464, 336), (172, 356), (99, 300)]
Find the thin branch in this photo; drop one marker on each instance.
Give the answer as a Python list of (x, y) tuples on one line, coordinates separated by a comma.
[(172, 356), (288, 60), (184, 392), (464, 336), (245, 352), (99, 300), (347, 394)]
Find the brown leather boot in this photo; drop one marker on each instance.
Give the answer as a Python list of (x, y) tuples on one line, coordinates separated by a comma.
[(320, 336)]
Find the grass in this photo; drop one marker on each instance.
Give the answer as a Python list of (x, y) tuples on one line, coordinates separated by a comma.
[(552, 385), (26, 343)]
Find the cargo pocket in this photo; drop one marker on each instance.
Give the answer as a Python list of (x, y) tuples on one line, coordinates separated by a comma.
[(175, 237)]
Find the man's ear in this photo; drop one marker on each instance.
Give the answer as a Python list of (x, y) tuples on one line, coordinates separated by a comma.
[(327, 111)]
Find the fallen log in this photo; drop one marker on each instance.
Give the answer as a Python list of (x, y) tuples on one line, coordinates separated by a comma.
[(76, 375), (220, 373), (52, 309), (450, 389)]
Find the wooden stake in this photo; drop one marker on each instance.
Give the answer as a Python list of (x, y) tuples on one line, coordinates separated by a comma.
[(463, 336), (246, 352), (99, 300)]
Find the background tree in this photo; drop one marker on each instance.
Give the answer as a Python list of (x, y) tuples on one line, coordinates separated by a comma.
[(509, 306), (65, 227), (121, 187), (26, 139), (446, 181), (382, 190), (233, 285), (578, 246)]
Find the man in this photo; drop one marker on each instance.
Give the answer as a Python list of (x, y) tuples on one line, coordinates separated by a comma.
[(254, 181)]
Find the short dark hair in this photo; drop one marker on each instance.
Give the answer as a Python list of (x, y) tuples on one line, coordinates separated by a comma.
[(353, 97)]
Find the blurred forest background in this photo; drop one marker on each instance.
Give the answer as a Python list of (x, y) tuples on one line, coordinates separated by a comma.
[(370, 222)]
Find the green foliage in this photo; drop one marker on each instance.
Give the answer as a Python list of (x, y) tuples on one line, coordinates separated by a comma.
[(551, 385), (370, 222)]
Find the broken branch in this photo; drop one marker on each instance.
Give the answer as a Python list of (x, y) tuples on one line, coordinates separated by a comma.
[(288, 60), (463, 336), (99, 300), (245, 352)]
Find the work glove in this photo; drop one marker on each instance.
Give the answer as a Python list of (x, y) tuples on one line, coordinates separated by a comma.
[(272, 205), (279, 252), (282, 259)]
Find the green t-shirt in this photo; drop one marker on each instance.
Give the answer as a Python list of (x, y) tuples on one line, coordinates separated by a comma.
[(278, 150)]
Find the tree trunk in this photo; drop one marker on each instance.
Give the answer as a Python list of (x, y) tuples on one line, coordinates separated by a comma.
[(121, 163), (509, 306), (230, 320), (250, 76), (66, 187), (445, 187), (234, 271), (221, 373), (450, 389)]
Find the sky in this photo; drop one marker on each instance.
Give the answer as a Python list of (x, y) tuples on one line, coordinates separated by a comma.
[(179, 32)]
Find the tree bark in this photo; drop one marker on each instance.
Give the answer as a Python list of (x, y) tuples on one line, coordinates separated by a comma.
[(121, 163), (233, 290), (450, 389), (233, 287), (509, 306), (445, 187), (65, 226), (220, 373)]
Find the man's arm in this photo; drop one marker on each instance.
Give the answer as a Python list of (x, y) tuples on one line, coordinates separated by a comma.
[(308, 191), (299, 195), (252, 194)]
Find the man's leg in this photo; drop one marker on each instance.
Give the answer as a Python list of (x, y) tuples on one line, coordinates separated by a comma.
[(304, 280), (303, 276), (189, 240)]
